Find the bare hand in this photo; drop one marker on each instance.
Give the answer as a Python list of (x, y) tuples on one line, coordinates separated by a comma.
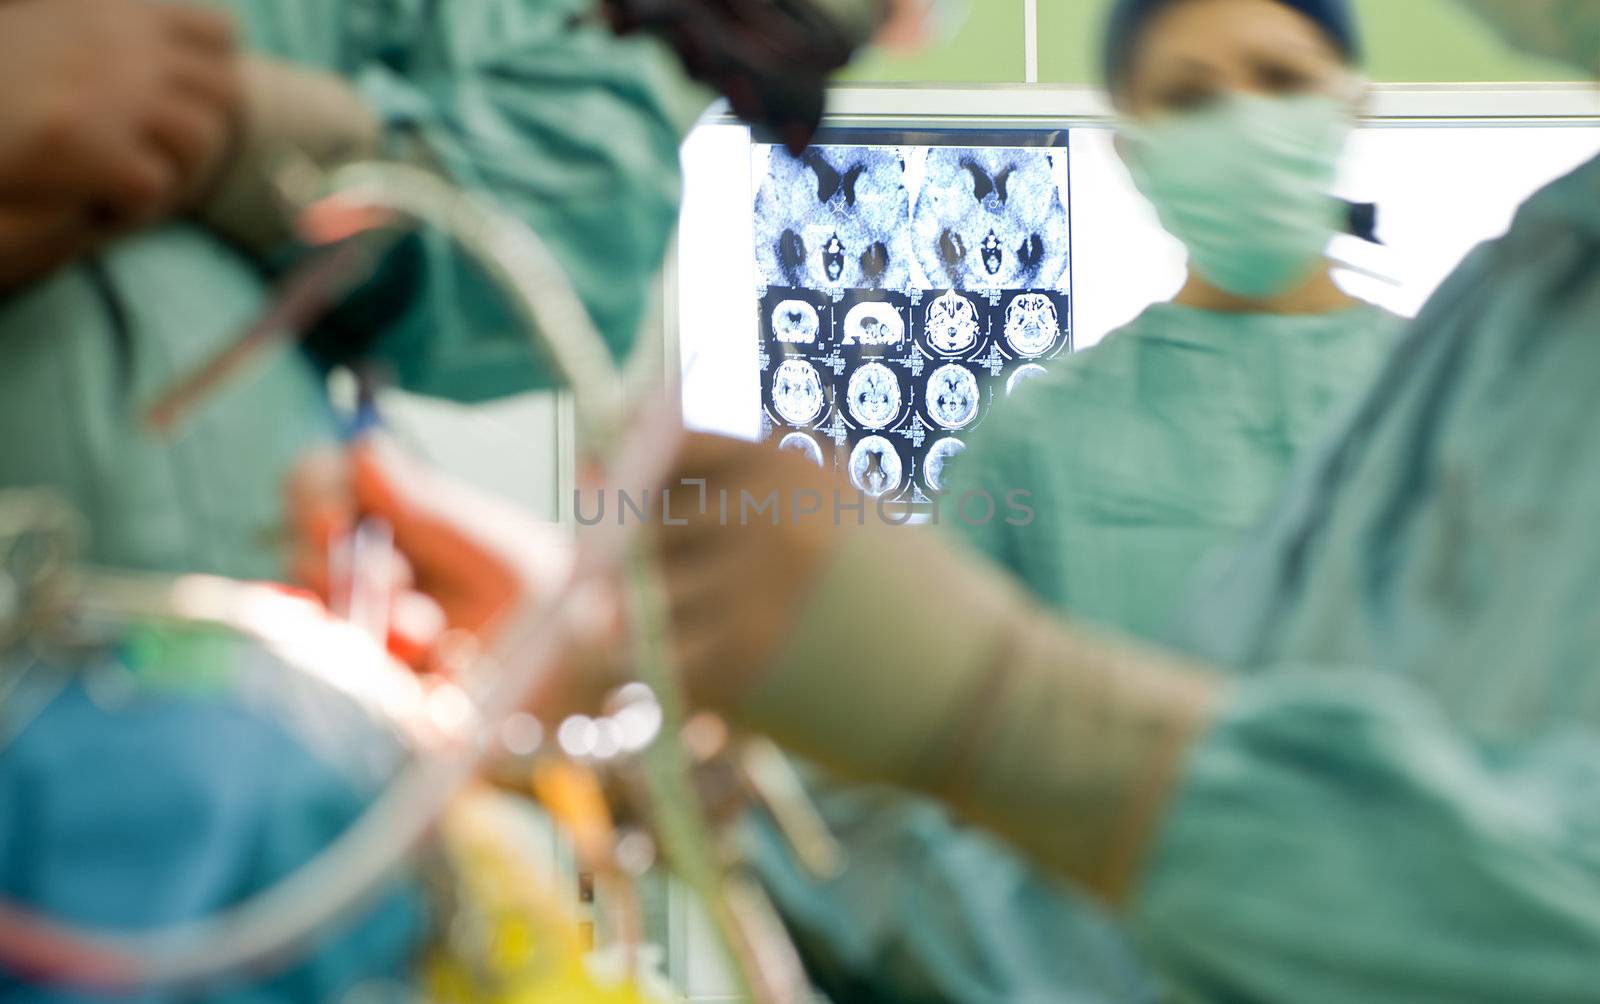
[(113, 114)]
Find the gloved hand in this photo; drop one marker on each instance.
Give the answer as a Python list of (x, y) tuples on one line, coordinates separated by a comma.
[(113, 114), (739, 577), (473, 555), (287, 111), (468, 557)]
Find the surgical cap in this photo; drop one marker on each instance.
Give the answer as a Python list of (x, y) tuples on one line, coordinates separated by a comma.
[(1129, 18)]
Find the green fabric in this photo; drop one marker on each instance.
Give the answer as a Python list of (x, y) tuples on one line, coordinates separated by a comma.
[(571, 129), (1146, 453), (1447, 533), (1143, 455), (1430, 824), (1336, 840), (201, 804)]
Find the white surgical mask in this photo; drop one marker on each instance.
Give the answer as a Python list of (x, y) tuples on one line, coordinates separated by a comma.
[(1564, 30)]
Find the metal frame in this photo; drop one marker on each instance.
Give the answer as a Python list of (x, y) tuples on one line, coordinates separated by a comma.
[(1003, 106), (1035, 106)]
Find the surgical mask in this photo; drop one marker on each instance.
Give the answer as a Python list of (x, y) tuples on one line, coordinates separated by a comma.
[(1564, 30), (1246, 186)]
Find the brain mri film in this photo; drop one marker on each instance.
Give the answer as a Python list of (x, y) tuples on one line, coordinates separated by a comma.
[(938, 455), (834, 218), (1032, 324), (803, 444), (1024, 373), (906, 281), (991, 219), (951, 323), (797, 392), (795, 322), (873, 323), (953, 396), (875, 466), (874, 395)]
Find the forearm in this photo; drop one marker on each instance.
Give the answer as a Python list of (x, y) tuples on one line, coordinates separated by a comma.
[(1336, 838), (917, 667)]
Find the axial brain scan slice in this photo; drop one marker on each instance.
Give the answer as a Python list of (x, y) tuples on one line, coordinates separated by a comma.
[(873, 323), (795, 322), (874, 395), (991, 219), (797, 392), (953, 396), (939, 454), (904, 288), (1022, 374), (1031, 324), (834, 218), (803, 444), (875, 466), (951, 323)]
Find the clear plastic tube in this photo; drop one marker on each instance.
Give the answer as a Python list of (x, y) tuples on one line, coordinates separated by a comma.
[(281, 922)]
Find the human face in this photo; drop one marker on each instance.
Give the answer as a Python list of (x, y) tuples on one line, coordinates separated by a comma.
[(1196, 53)]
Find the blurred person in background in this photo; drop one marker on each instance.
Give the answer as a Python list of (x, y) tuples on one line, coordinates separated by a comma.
[(1140, 457)]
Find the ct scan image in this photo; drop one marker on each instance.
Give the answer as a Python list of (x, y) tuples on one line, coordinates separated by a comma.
[(904, 289)]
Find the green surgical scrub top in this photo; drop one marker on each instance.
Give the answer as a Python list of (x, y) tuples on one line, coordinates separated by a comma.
[(1144, 455), (574, 131), (122, 818), (1141, 457)]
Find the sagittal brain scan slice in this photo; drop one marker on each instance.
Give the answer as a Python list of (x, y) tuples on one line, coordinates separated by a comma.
[(1032, 324), (951, 323), (991, 219), (873, 323), (799, 442), (1022, 374), (875, 466), (795, 322), (874, 395), (939, 454), (834, 218), (905, 286), (797, 392), (953, 396)]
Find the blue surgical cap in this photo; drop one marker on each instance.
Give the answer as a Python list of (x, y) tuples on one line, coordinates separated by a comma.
[(1129, 18)]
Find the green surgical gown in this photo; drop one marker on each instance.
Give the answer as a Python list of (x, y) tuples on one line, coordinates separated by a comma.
[(1402, 803), (574, 131), (1140, 457), (121, 819)]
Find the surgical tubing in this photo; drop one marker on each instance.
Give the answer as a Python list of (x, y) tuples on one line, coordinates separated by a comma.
[(277, 923)]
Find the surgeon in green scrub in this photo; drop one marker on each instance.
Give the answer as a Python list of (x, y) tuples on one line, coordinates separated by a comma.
[(1149, 451), (571, 129), (138, 235), (1141, 458)]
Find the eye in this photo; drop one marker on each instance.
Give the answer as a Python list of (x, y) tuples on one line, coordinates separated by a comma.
[(1281, 78), (1186, 97)]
